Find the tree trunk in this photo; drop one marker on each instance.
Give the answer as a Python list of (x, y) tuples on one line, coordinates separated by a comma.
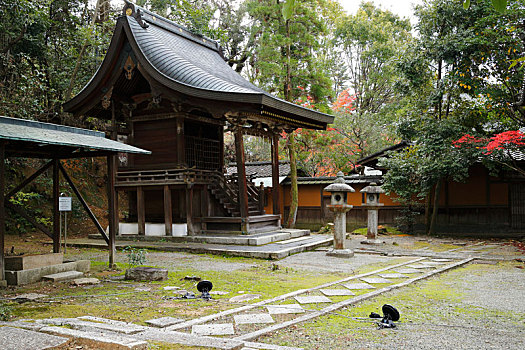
[(428, 197), (435, 209), (292, 216)]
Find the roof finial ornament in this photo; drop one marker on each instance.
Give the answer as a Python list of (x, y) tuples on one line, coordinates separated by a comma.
[(130, 9)]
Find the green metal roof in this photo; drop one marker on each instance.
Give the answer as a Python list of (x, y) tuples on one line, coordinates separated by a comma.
[(42, 134)]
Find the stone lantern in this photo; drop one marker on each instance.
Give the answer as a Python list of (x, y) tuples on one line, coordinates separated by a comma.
[(338, 204), (372, 193)]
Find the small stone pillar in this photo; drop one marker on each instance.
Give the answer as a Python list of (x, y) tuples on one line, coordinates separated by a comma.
[(372, 193), (338, 204)]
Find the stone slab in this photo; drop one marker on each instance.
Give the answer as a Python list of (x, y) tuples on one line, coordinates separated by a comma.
[(161, 335), (22, 277), (253, 318), (63, 276), (253, 345), (213, 329), (28, 297), (17, 339), (408, 270), (171, 288), (441, 260), (375, 280), (23, 324), (28, 262), (340, 253), (144, 273), (244, 297), (336, 292), (98, 323), (285, 309), (392, 275), (419, 266), (358, 285), (432, 263), (164, 321), (115, 341), (85, 281), (311, 299)]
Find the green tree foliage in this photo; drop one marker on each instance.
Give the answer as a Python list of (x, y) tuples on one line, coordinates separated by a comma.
[(372, 41), (457, 73), (39, 44)]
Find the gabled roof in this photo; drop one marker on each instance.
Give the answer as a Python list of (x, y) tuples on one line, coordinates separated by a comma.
[(28, 138), (186, 63)]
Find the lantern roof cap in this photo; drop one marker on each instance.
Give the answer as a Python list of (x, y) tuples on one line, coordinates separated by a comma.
[(339, 185), (372, 188)]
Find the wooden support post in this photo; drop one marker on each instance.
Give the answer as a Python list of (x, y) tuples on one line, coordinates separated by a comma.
[(189, 209), (168, 211), (84, 203), (56, 213), (275, 175), (29, 179), (2, 210), (112, 212), (141, 212), (241, 178)]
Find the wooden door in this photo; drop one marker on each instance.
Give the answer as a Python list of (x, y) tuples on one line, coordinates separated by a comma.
[(517, 205)]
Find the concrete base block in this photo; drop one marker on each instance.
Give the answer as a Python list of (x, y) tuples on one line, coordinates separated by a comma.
[(28, 262), (341, 253), (18, 278), (143, 273), (372, 241)]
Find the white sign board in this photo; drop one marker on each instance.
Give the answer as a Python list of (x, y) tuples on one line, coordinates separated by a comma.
[(64, 203)]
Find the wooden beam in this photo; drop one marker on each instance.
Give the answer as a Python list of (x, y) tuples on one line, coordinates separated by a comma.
[(189, 209), (168, 211), (141, 212), (112, 212), (29, 218), (2, 209), (56, 213), (275, 175), (83, 203), (29, 180), (241, 173)]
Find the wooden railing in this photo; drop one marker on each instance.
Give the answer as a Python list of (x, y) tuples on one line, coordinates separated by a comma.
[(164, 177)]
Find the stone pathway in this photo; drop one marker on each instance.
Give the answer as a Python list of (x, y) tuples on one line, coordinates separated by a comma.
[(237, 328)]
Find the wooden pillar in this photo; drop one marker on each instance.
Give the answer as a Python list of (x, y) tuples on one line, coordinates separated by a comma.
[(141, 212), (275, 175), (2, 209), (168, 211), (112, 210), (181, 153), (56, 213), (189, 209), (241, 178)]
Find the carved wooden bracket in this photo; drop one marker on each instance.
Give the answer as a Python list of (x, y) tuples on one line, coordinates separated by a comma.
[(106, 99), (129, 66)]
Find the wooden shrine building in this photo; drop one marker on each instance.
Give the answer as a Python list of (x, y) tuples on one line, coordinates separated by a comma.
[(171, 91)]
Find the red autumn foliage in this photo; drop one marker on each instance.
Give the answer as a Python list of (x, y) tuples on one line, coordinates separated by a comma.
[(501, 141)]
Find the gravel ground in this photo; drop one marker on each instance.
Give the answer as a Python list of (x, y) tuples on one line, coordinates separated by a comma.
[(477, 307)]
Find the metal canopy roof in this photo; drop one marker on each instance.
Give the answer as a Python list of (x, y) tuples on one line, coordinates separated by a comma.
[(27, 137)]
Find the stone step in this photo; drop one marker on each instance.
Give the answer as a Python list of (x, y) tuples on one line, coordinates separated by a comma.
[(63, 276), (113, 341), (165, 336)]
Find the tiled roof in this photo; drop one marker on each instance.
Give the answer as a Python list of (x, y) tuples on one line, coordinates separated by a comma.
[(260, 169)]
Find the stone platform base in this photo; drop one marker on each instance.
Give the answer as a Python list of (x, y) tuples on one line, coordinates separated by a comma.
[(372, 241), (341, 253)]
